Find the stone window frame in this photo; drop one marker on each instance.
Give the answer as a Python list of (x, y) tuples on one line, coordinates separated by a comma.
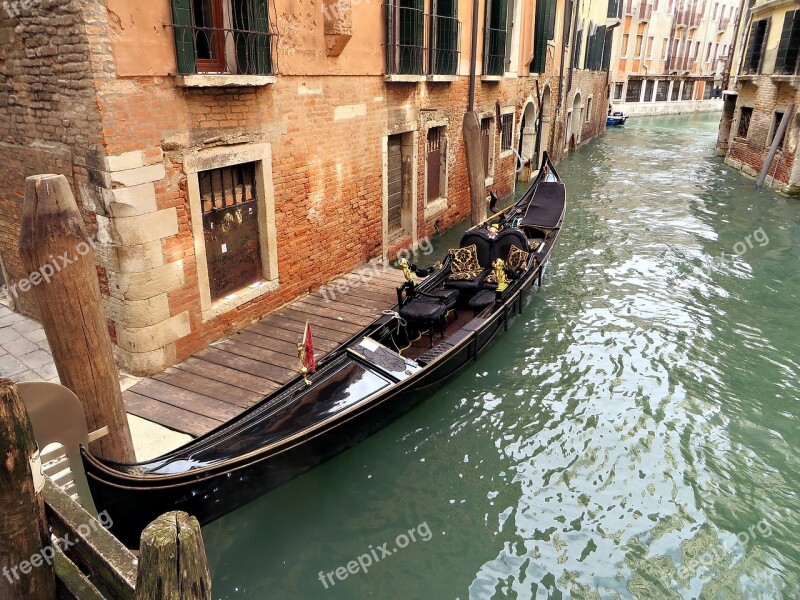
[(618, 85), (438, 206), (412, 130), (588, 111), (217, 158), (504, 112), (773, 128), (739, 120)]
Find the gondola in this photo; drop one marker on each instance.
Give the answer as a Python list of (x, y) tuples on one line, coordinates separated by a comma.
[(439, 326)]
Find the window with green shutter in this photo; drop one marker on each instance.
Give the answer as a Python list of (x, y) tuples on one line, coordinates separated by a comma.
[(754, 55), (204, 28), (494, 38), (789, 46), (405, 21), (544, 30)]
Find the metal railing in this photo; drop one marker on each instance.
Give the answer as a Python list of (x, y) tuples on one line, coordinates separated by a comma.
[(722, 24), (216, 50), (421, 44), (688, 18)]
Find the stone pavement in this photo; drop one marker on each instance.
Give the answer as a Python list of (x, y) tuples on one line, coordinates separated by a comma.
[(25, 356), (24, 351)]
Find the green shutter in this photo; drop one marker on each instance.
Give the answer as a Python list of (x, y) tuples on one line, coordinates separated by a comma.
[(609, 38), (789, 46), (576, 56), (568, 22), (184, 36), (551, 24), (253, 51), (545, 15)]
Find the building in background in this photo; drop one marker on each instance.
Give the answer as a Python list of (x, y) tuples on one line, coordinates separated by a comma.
[(765, 88), (231, 155), (670, 55)]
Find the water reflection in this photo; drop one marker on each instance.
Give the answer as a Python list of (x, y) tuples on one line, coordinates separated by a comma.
[(636, 434)]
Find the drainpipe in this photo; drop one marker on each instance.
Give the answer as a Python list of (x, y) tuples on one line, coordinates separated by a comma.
[(473, 56)]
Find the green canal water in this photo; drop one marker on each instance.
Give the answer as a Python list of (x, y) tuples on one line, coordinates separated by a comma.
[(635, 434)]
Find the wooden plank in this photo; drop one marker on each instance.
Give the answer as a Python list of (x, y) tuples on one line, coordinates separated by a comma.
[(191, 401), (169, 416), (349, 316), (287, 348), (209, 387), (350, 300), (380, 297), (279, 366), (233, 361), (357, 309), (326, 322), (268, 329), (232, 377), (297, 327)]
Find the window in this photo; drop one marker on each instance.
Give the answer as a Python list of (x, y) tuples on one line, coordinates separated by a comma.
[(708, 52), (445, 37), (614, 9), (776, 121), (676, 90), (650, 41), (494, 37), (576, 55), (649, 87), (624, 51), (211, 39), (232, 212), (688, 90), (506, 132), (634, 93), (618, 87), (404, 30), (789, 46), (664, 46), (662, 91), (436, 167), (753, 57), (595, 48), (716, 8), (588, 109), (638, 51), (544, 31), (745, 114)]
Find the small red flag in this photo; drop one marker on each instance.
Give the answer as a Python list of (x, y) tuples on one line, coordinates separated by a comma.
[(308, 346)]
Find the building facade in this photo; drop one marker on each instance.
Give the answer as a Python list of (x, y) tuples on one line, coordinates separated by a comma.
[(230, 155), (765, 88), (670, 55)]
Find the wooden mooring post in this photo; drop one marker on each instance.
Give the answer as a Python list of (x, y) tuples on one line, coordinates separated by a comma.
[(173, 539), (60, 257), (475, 168), (25, 550)]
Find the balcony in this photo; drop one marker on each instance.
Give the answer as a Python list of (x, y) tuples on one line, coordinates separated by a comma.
[(419, 44), (494, 57), (645, 11), (722, 24), (688, 18)]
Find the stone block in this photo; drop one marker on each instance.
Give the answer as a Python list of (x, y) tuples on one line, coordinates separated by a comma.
[(125, 161), (131, 201), (138, 176), (132, 231), (146, 363), (148, 284), (133, 314), (153, 337)]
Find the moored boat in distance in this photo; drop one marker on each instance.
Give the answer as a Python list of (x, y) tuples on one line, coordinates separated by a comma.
[(616, 120), (440, 325)]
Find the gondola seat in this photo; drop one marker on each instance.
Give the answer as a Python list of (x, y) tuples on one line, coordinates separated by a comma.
[(422, 310), (481, 300), (448, 296)]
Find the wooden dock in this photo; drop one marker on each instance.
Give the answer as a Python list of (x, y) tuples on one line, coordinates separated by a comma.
[(233, 374)]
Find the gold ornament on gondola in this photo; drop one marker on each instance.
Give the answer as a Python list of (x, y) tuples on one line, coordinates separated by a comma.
[(500, 274), (409, 274), (301, 354)]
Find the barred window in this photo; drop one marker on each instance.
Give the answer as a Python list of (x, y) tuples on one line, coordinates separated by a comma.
[(506, 132), (745, 114)]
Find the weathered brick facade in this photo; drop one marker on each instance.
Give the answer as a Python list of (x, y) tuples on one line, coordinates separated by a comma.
[(75, 98)]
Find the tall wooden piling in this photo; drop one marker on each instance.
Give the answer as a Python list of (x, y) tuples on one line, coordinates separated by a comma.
[(60, 257), (172, 560), (475, 168), (27, 571)]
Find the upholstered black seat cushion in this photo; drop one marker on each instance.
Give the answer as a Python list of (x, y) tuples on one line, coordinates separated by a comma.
[(471, 284), (448, 297), (422, 312), (481, 300)]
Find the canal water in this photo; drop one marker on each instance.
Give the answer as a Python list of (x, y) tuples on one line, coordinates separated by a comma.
[(635, 435)]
